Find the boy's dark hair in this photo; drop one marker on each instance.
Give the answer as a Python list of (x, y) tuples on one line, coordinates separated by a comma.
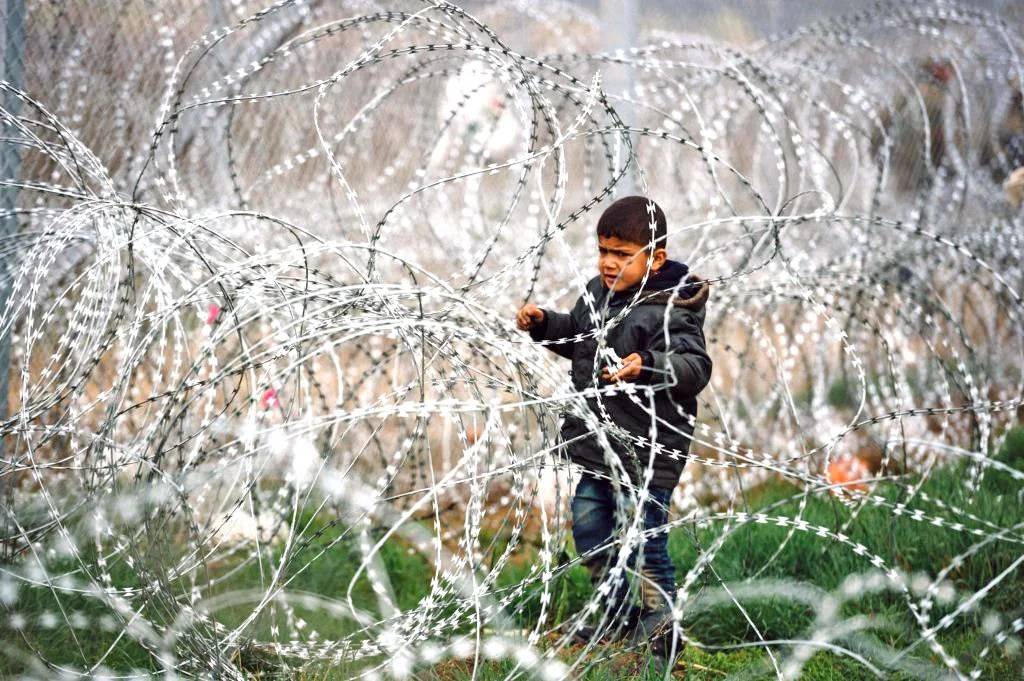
[(628, 219)]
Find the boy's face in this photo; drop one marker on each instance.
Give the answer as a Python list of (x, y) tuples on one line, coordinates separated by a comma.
[(622, 264)]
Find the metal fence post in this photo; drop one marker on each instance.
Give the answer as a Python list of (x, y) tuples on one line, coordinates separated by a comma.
[(619, 32)]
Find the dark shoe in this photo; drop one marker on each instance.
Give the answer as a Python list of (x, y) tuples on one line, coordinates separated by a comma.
[(584, 635), (651, 622), (666, 646), (621, 628), (656, 629)]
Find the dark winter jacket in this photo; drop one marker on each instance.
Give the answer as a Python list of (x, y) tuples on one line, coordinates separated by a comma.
[(678, 362)]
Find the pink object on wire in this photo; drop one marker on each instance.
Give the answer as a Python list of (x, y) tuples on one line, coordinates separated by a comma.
[(269, 399), (212, 313)]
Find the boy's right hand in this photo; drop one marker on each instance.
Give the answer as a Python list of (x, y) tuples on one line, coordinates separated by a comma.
[(529, 316)]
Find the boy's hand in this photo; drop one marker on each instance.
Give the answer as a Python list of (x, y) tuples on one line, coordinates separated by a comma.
[(629, 370), (529, 316)]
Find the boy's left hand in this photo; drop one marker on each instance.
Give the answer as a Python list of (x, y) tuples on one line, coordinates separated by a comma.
[(629, 370)]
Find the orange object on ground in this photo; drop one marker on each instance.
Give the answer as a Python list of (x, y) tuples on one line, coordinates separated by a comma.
[(851, 472)]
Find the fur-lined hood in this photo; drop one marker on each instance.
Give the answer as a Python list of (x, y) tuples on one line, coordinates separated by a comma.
[(692, 296), (663, 288)]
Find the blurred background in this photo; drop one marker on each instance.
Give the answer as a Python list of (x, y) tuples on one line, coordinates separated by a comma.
[(266, 407)]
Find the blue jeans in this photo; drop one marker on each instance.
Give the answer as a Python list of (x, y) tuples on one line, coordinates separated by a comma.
[(594, 525)]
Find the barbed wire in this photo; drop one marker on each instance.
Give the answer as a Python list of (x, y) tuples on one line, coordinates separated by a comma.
[(260, 286)]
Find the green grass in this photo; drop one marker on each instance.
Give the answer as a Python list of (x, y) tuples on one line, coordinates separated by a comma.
[(722, 630), (63, 645)]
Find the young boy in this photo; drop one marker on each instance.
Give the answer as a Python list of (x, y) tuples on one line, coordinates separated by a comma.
[(661, 342)]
